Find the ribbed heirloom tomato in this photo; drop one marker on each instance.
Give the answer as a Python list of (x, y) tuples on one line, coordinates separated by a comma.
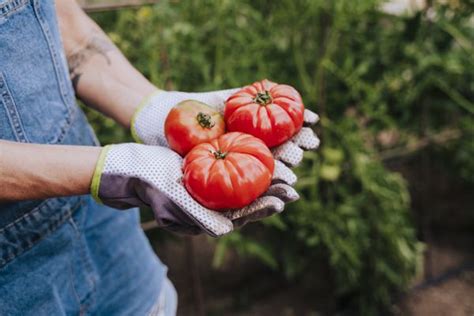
[(228, 172), (190, 123), (267, 110)]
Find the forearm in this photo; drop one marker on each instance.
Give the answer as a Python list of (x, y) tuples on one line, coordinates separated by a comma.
[(33, 171), (102, 77)]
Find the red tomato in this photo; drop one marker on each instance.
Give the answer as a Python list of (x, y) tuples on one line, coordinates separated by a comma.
[(267, 110), (228, 172), (190, 123)]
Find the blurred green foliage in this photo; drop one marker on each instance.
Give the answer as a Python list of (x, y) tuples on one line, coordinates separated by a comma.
[(378, 81)]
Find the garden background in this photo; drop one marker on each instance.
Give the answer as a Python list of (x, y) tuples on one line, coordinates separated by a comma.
[(385, 223)]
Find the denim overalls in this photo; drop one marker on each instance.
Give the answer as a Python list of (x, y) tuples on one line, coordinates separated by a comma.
[(61, 256)]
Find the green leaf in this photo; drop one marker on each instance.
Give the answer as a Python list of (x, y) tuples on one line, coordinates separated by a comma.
[(329, 172)]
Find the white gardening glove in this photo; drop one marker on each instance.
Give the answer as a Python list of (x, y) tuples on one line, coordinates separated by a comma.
[(147, 124), (129, 175), (291, 152)]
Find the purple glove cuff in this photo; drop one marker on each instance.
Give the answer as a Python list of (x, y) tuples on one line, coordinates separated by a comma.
[(123, 192)]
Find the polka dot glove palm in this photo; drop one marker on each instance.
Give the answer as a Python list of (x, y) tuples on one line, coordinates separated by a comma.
[(129, 175), (148, 122)]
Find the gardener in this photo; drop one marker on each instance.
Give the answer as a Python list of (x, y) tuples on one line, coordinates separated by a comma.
[(61, 252)]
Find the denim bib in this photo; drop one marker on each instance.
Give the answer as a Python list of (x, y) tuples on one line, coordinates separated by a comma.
[(37, 105), (61, 256)]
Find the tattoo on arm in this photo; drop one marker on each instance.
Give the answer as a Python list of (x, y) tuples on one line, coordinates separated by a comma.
[(95, 46)]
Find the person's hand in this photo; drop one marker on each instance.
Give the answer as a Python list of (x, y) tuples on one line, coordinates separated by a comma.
[(147, 124), (291, 151), (129, 175)]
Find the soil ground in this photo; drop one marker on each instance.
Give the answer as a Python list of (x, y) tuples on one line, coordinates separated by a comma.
[(233, 290)]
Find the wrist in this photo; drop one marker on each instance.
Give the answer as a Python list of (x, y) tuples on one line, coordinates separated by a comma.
[(145, 99), (137, 109), (96, 177), (39, 171)]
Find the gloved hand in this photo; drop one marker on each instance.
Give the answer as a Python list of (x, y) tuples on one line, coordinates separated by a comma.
[(129, 175), (148, 122)]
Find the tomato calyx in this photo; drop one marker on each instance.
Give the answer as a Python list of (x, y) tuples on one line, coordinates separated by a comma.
[(205, 120), (263, 98), (218, 154)]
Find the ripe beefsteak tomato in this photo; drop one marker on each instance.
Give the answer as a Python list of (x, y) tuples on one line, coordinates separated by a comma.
[(229, 172), (267, 110), (190, 123)]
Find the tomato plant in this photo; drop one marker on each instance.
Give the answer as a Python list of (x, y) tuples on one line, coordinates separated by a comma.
[(190, 123), (228, 172), (267, 110)]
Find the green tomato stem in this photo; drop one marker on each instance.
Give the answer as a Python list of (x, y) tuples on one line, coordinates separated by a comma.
[(205, 120), (263, 98), (219, 155)]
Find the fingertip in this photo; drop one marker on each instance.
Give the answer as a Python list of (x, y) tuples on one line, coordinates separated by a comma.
[(289, 153), (284, 192), (284, 174), (310, 118), (306, 139)]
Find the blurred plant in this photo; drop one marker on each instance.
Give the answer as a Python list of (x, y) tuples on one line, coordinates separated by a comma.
[(106, 129), (353, 211), (368, 74)]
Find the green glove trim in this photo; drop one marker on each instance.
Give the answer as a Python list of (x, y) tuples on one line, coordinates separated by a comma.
[(95, 184), (140, 107)]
